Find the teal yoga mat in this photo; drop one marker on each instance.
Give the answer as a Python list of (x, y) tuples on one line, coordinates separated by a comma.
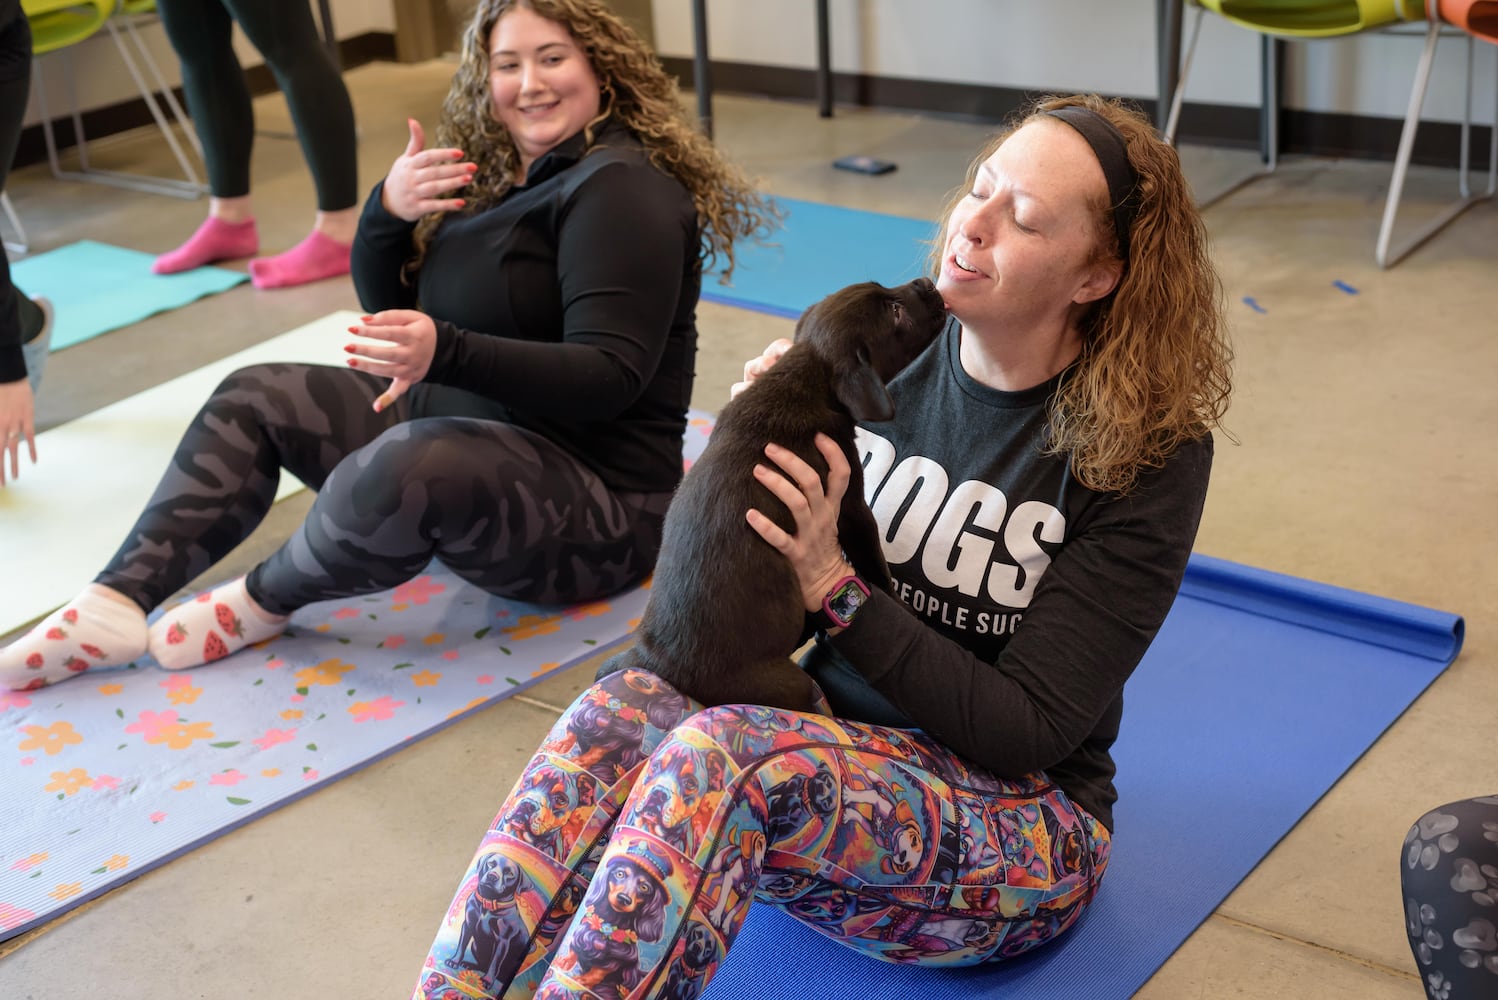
[(1260, 691), (97, 287), (819, 249)]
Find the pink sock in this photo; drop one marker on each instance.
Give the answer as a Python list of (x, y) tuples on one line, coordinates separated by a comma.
[(315, 258), (215, 240)]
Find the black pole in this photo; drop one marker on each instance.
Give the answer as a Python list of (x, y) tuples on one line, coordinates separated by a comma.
[(1271, 59), (1168, 14), (824, 62), (702, 80)]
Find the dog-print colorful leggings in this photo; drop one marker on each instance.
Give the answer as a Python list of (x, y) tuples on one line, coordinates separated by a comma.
[(623, 862)]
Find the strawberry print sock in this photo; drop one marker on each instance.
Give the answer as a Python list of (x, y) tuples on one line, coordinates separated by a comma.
[(210, 627), (315, 258), (92, 630), (215, 240)]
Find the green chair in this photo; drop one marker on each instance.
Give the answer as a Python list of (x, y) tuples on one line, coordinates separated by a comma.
[(1316, 18), (54, 24), (59, 25)]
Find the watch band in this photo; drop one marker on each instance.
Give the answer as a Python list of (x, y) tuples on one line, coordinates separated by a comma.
[(841, 604)]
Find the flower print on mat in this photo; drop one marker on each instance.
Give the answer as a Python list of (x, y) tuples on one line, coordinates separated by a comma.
[(325, 701)]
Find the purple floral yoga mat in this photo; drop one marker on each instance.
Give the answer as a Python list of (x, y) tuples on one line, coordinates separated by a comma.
[(110, 774)]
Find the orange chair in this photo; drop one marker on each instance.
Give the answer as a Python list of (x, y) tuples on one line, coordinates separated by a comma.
[(1478, 18)]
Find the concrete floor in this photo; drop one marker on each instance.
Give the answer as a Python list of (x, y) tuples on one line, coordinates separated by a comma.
[(1363, 458)]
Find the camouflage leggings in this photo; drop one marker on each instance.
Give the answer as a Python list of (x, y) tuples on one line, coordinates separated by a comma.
[(440, 474)]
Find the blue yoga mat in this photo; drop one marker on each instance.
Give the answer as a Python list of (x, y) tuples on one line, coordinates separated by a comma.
[(1260, 691), (96, 287), (819, 249)]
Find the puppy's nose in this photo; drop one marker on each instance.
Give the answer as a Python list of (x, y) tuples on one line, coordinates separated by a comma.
[(924, 284)]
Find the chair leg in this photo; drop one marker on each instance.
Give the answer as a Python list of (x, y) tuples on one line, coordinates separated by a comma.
[(179, 115), (1173, 120), (1269, 105), (20, 245), (192, 187), (1386, 255)]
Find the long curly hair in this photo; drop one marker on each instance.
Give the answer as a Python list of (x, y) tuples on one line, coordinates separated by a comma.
[(1156, 367), (637, 91)]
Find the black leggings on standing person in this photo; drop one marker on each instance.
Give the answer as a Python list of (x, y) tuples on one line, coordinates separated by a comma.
[(201, 32), (1449, 877)]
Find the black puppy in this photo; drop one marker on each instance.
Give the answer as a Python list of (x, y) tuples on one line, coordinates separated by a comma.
[(725, 611)]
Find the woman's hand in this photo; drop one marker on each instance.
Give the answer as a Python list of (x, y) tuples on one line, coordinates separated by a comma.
[(17, 411), (411, 337), (813, 550), (753, 369), (419, 175)]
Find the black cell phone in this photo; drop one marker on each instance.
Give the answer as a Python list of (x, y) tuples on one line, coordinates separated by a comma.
[(864, 165)]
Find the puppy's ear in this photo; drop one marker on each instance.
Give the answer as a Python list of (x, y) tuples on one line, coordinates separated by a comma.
[(862, 391)]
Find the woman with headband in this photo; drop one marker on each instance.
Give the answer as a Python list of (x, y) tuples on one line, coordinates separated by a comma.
[(1038, 493)]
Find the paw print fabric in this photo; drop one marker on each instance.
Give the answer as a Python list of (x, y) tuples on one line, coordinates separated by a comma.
[(1449, 874)]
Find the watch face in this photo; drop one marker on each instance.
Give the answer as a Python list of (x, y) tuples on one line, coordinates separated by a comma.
[(846, 601)]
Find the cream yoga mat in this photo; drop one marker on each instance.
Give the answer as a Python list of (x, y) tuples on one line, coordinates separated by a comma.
[(59, 524)]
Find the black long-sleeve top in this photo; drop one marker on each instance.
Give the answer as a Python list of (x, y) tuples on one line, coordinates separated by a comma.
[(1025, 599), (15, 65), (571, 302)]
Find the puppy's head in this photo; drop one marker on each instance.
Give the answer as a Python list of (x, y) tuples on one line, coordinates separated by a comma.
[(868, 334)]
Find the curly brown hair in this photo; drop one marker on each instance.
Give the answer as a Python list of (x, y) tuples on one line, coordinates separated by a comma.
[(1156, 366), (637, 92)]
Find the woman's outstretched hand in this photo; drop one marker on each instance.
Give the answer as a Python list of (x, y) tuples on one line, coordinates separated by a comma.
[(419, 176), (813, 550), (410, 341), (16, 413)]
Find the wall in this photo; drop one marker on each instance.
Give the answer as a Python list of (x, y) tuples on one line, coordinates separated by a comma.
[(103, 80), (1003, 43), (1077, 45)]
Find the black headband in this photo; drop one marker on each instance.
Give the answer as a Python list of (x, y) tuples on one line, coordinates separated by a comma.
[(1112, 153)]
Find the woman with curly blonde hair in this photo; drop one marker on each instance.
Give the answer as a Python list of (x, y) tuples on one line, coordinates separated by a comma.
[(1038, 493), (637, 93), (518, 392)]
